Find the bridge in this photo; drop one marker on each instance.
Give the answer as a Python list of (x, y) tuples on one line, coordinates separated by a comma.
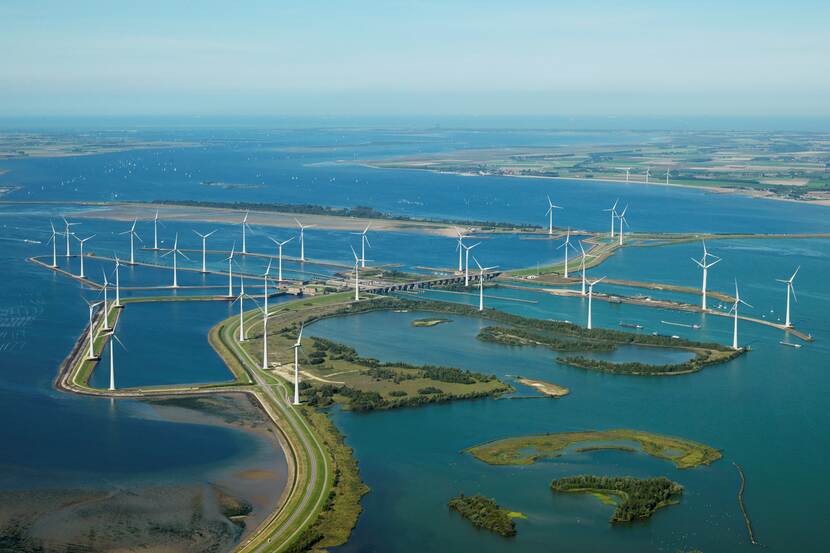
[(429, 283)]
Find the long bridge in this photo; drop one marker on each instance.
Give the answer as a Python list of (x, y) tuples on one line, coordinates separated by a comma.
[(428, 283)]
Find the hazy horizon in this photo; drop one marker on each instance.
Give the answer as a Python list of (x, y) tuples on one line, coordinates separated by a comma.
[(418, 59)]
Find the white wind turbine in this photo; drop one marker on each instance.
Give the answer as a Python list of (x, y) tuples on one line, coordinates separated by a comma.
[(204, 238), (112, 358), (667, 175), (106, 286), (176, 252), (241, 299), (265, 285), (156, 224), (364, 239), (627, 173), (302, 238), (296, 347), (356, 275), (54, 240), (622, 219), (467, 262), (68, 233), (481, 271), (648, 173), (734, 311), (549, 213), (90, 330), (613, 210), (83, 241), (705, 265), (790, 290), (244, 226), (117, 282), (229, 259), (460, 248), (584, 260), (567, 244), (591, 300), (133, 235), (279, 255), (265, 338)]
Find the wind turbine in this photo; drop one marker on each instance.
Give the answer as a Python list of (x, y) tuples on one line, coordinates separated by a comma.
[(703, 264), (591, 300), (204, 238), (613, 210), (296, 348), (734, 310), (265, 285), (241, 299), (467, 262), (481, 282), (229, 259), (91, 336), (667, 175), (82, 241), (156, 224), (133, 234), (364, 239), (302, 238), (648, 173), (68, 232), (265, 338), (279, 255), (585, 257), (549, 213), (244, 225), (356, 276), (117, 282), (567, 244), (622, 219), (460, 248), (176, 252), (112, 359), (106, 302), (790, 289), (54, 240), (627, 173)]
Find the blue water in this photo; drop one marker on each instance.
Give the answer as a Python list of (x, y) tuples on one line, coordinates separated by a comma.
[(765, 409)]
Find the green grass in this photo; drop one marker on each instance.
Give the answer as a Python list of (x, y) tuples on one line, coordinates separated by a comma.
[(526, 450)]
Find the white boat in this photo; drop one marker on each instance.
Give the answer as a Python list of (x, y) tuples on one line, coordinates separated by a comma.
[(796, 346)]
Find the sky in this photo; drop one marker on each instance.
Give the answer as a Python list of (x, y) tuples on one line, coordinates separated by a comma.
[(391, 57)]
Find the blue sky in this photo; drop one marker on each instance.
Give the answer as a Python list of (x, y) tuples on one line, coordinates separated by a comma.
[(327, 58)]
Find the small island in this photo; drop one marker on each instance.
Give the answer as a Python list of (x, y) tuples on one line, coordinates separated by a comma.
[(526, 450), (429, 322), (635, 498), (547, 388), (485, 513)]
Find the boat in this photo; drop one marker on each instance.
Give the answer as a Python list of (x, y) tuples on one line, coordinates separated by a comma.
[(796, 346), (631, 325)]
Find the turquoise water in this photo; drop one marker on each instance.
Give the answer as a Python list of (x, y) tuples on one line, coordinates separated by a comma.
[(765, 409)]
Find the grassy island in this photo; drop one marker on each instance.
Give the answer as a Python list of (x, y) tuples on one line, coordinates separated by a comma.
[(526, 450), (485, 513), (635, 498), (429, 322)]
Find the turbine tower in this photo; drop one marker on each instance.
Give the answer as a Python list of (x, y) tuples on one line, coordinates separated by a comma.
[(117, 282), (481, 271), (176, 252), (244, 225), (90, 334), (229, 259), (622, 219), (613, 210), (106, 326), (734, 311), (705, 265), (356, 275), (585, 257), (112, 359), (54, 240), (549, 213), (265, 339), (83, 241), (68, 233), (591, 300), (279, 255), (667, 175), (364, 239), (467, 262), (241, 299), (302, 238), (204, 238), (296, 348), (156, 224), (567, 244), (460, 248), (627, 173), (265, 285), (648, 173), (790, 290), (133, 234)]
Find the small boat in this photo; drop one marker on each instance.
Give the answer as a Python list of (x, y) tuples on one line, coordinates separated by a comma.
[(631, 325), (796, 346)]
